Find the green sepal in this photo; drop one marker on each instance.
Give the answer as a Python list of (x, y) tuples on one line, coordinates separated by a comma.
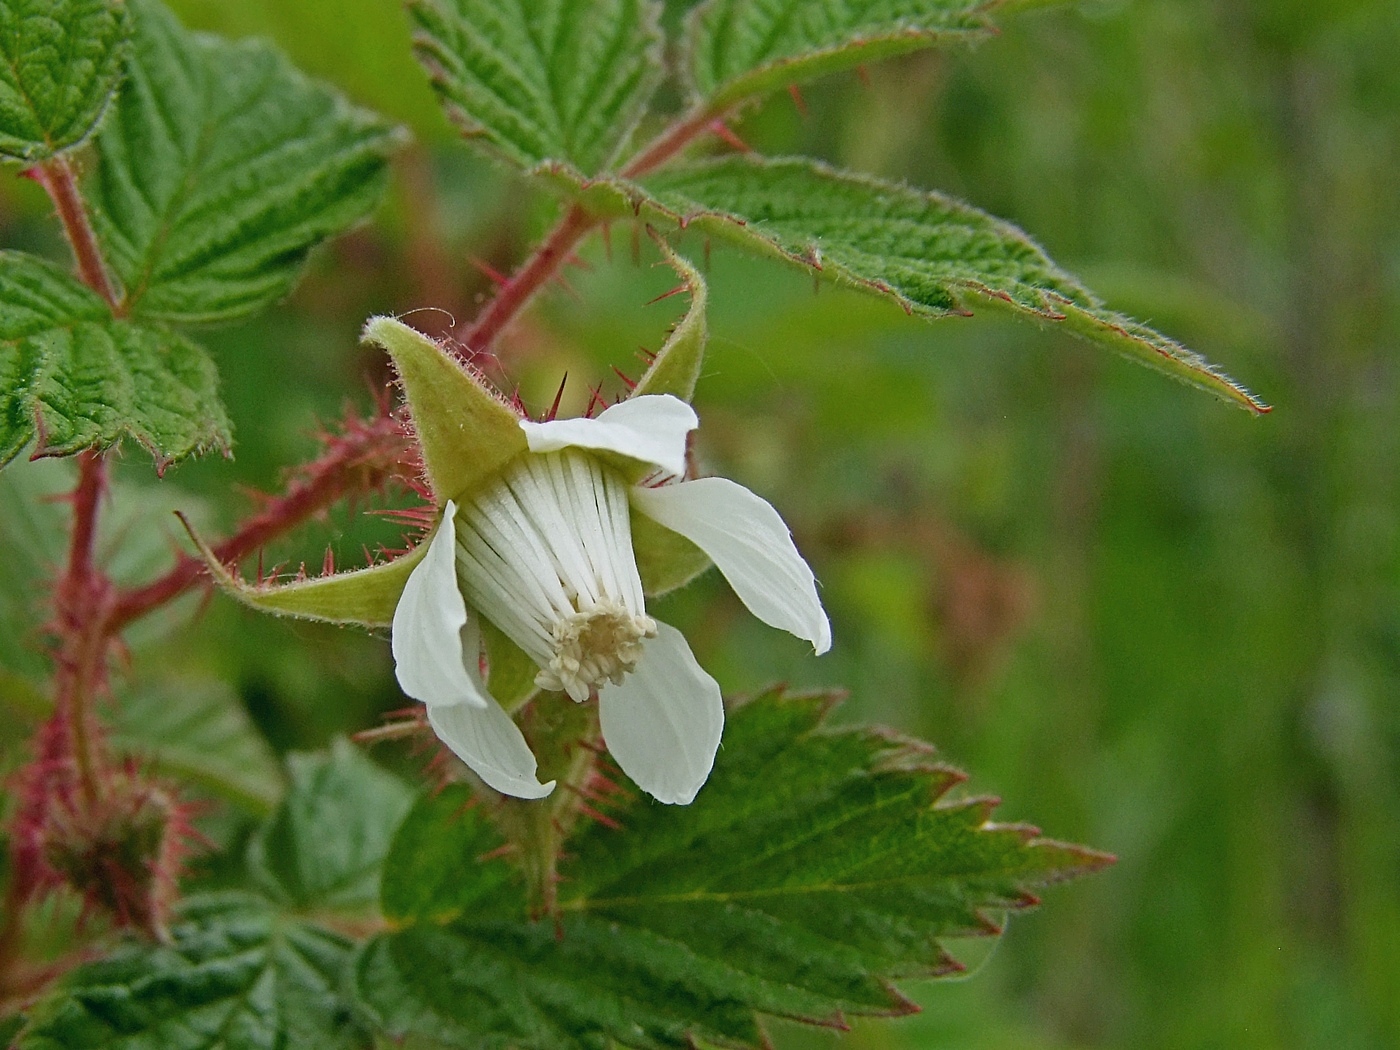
[(467, 433), (366, 597), (676, 367), (665, 559), (511, 672)]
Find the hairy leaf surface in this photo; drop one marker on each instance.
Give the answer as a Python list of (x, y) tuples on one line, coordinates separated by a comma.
[(737, 48), (220, 168), (814, 867), (549, 80), (236, 975), (324, 845), (931, 254), (78, 378), (60, 62)]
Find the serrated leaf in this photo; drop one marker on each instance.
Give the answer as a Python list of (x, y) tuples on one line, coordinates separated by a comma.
[(324, 845), (79, 378), (931, 254), (235, 975), (219, 169), (738, 48), (60, 63), (815, 867), (199, 732), (559, 80)]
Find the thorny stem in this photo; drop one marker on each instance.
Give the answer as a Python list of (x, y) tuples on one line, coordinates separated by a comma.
[(576, 223), (338, 473), (82, 596), (82, 593), (60, 182)]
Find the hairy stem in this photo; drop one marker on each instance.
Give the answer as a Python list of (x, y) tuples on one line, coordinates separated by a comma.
[(576, 223), (356, 462), (82, 598), (60, 182)]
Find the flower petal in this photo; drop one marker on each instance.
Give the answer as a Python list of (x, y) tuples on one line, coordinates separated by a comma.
[(751, 546), (427, 628), (650, 428), (663, 723), (490, 742)]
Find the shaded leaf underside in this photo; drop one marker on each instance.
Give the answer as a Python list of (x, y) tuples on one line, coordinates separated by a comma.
[(60, 61), (219, 168), (78, 378), (813, 869), (552, 79), (932, 255)]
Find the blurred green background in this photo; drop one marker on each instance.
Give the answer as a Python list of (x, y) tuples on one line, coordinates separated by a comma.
[(1148, 621)]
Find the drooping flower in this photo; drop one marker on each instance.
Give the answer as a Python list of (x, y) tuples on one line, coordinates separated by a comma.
[(544, 551), (549, 537)]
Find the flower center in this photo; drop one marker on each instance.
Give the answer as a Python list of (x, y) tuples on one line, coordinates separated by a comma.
[(545, 553)]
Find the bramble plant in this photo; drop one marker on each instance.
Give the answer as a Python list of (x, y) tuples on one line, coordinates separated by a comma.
[(528, 890)]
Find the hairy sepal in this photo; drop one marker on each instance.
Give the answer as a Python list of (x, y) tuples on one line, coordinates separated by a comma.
[(366, 597), (467, 433)]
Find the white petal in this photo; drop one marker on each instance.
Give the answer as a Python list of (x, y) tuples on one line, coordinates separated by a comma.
[(488, 740), (651, 428), (663, 723), (749, 543), (428, 621)]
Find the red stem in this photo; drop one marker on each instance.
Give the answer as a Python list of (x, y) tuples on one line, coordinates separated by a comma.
[(670, 142), (340, 472), (526, 281), (60, 182), (549, 256), (82, 598)]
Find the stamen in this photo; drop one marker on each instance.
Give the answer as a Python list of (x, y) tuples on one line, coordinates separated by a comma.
[(546, 555)]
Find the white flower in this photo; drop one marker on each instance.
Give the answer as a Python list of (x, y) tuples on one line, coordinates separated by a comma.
[(544, 552)]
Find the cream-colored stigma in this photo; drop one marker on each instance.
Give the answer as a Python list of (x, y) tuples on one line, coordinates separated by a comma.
[(545, 554), (600, 645)]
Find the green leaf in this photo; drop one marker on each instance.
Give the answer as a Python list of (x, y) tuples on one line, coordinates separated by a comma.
[(220, 168), (814, 868), (236, 975), (79, 378), (199, 732), (60, 62), (438, 866), (559, 80), (738, 48), (324, 845), (932, 255)]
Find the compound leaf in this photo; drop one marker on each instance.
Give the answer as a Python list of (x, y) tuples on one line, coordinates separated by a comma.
[(815, 867), (78, 378), (220, 168), (562, 80), (60, 63)]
